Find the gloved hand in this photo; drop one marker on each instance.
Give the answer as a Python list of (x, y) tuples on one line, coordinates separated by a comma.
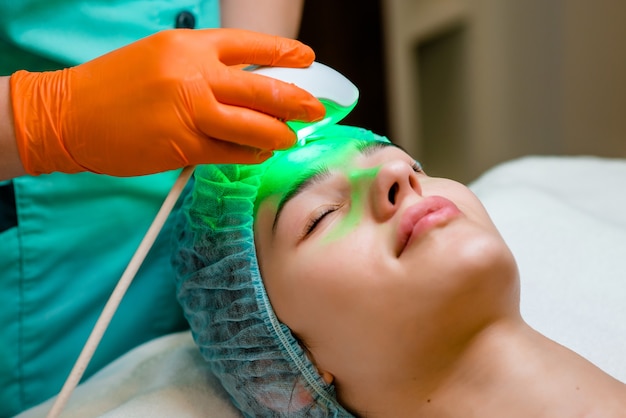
[(170, 100)]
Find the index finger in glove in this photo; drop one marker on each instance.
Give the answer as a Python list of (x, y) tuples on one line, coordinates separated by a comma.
[(244, 126), (238, 46), (268, 95)]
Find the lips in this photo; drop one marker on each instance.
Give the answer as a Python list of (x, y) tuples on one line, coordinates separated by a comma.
[(417, 220)]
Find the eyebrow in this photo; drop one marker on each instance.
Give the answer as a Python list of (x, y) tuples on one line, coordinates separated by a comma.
[(320, 173)]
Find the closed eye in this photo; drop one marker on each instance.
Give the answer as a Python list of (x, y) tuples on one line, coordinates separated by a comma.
[(416, 166), (316, 219)]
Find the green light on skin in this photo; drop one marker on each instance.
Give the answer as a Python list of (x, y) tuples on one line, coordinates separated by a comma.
[(288, 168), (360, 181)]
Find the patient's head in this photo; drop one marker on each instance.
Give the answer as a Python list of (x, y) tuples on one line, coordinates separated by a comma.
[(331, 265)]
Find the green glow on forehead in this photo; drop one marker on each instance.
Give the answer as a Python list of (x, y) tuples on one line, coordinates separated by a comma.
[(289, 167)]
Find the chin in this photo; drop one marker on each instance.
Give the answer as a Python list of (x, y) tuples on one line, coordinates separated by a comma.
[(480, 287), (478, 260), (490, 270), (486, 252)]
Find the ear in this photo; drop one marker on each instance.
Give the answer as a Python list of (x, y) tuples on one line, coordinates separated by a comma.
[(327, 377)]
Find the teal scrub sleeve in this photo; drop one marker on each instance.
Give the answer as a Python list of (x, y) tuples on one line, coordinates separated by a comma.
[(47, 34), (65, 240)]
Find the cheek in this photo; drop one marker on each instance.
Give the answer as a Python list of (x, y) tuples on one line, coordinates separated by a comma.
[(319, 284), (312, 278)]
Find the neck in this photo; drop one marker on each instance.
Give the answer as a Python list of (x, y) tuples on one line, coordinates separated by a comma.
[(507, 369)]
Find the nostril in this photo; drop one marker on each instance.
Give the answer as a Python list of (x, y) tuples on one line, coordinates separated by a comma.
[(393, 191)]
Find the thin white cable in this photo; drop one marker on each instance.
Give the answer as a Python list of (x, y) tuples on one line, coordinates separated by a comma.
[(118, 293)]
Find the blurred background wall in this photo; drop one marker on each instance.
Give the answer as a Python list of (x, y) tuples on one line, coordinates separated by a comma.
[(466, 84), (348, 36)]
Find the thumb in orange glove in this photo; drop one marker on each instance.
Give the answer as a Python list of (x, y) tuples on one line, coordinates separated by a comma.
[(170, 100)]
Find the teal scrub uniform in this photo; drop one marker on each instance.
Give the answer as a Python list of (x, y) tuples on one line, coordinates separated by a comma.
[(65, 240)]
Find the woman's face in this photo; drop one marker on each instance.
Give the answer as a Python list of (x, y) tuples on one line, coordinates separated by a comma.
[(364, 256)]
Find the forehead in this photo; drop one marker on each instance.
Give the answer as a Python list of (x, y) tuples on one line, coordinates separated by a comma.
[(327, 151), (289, 167)]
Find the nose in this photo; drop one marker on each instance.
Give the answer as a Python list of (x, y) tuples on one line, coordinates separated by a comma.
[(393, 183)]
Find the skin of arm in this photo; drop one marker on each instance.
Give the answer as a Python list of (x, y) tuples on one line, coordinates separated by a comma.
[(10, 162), (276, 17)]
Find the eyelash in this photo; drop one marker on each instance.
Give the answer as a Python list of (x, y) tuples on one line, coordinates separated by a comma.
[(416, 166), (313, 222)]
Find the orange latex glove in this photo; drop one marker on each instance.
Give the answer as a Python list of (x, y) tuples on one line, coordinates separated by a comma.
[(170, 100)]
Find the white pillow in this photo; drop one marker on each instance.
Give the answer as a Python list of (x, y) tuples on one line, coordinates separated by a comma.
[(565, 221)]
